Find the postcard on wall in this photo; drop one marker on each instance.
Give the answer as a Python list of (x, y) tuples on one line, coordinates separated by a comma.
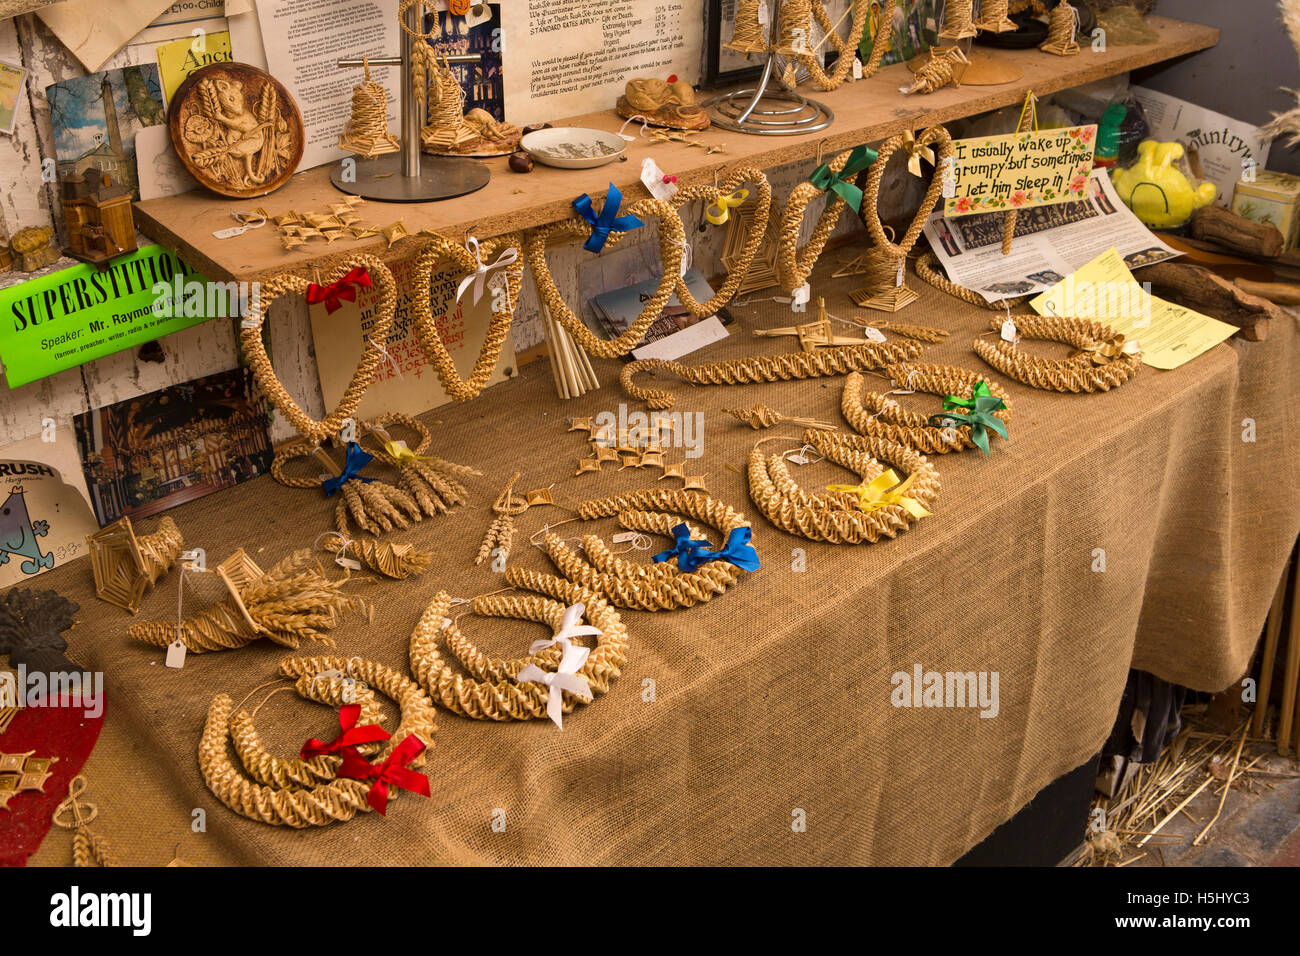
[(46, 512), (96, 117), (12, 86), (478, 31), (404, 381), (153, 452), (911, 30), (178, 59), (159, 169)]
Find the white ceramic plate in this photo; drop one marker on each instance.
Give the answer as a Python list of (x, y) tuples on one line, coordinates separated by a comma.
[(572, 147)]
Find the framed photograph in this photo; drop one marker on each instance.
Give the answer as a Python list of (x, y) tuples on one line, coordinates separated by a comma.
[(725, 67)]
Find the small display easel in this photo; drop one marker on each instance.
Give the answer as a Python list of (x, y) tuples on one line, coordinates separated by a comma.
[(406, 176)]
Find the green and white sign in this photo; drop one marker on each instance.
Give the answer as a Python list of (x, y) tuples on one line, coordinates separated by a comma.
[(73, 316)]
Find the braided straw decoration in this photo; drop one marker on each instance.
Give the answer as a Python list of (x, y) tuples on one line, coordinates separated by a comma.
[(794, 26), (834, 516), (794, 265), (936, 137), (657, 588), (958, 20), (375, 506), (922, 333), (440, 249), (1061, 31), (288, 603), (482, 667), (672, 248), (761, 416), (160, 549), (401, 18), (91, 849), (938, 71), (319, 806), (885, 418), (504, 699), (396, 561), (418, 715), (1079, 373), (748, 36), (367, 130), (767, 368), (846, 48), (272, 771), (993, 16), (753, 239), (927, 267), (433, 483), (250, 340)]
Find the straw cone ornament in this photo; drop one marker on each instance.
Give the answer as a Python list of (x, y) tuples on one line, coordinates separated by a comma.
[(958, 20), (1062, 29), (993, 17), (367, 131), (292, 602), (125, 566), (749, 35)]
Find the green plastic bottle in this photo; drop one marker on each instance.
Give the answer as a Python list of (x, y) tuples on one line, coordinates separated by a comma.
[(1107, 152)]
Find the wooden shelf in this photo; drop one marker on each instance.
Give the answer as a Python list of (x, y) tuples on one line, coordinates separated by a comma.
[(865, 111)]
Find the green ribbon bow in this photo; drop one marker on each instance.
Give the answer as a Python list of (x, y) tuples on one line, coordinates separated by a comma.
[(980, 417), (825, 178)]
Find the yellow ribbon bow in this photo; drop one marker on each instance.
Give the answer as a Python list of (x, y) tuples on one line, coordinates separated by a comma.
[(1103, 353), (916, 152), (402, 454), (881, 493), (724, 206)]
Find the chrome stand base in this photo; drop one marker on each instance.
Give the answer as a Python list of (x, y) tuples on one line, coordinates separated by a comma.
[(769, 112), (382, 179)]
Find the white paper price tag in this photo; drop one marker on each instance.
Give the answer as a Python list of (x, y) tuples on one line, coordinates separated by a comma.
[(857, 68), (949, 179), (230, 233), (175, 655), (802, 294), (623, 537), (652, 177), (874, 334), (764, 18), (898, 279), (1009, 333), (350, 563), (688, 258)]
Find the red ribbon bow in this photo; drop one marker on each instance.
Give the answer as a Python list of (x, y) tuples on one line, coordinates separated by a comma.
[(334, 293), (393, 771), (351, 736)]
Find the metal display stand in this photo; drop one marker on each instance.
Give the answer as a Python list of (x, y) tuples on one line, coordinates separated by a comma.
[(408, 176)]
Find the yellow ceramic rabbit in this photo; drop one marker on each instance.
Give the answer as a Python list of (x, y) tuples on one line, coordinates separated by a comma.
[(1156, 189)]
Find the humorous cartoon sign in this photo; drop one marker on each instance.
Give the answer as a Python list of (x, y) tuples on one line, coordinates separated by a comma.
[(1019, 170)]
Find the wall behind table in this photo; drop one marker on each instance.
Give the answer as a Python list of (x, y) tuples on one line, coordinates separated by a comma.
[(1244, 76), (25, 200)]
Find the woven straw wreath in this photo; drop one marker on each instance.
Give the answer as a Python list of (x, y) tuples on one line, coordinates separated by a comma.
[(877, 413)]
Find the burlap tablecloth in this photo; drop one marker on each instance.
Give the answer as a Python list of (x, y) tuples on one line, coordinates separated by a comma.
[(736, 721)]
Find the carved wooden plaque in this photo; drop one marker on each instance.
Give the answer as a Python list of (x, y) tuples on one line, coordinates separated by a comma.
[(236, 129)]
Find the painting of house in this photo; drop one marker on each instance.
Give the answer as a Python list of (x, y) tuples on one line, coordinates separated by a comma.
[(95, 119)]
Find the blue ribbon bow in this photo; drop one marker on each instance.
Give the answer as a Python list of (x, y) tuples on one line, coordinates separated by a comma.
[(608, 221), (352, 465), (692, 552)]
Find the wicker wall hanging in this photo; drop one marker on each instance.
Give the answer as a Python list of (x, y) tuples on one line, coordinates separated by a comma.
[(877, 414), (761, 198), (273, 771), (933, 146), (657, 587), (375, 506), (291, 602), (1103, 359), (88, 847), (495, 689), (125, 566), (672, 246), (346, 276), (476, 267), (766, 368), (795, 265), (879, 506), (434, 483)]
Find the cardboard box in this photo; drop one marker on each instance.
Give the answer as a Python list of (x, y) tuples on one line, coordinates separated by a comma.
[(1273, 198)]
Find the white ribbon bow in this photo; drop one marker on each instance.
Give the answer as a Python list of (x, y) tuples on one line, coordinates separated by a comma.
[(566, 677), (480, 274), (569, 629)]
